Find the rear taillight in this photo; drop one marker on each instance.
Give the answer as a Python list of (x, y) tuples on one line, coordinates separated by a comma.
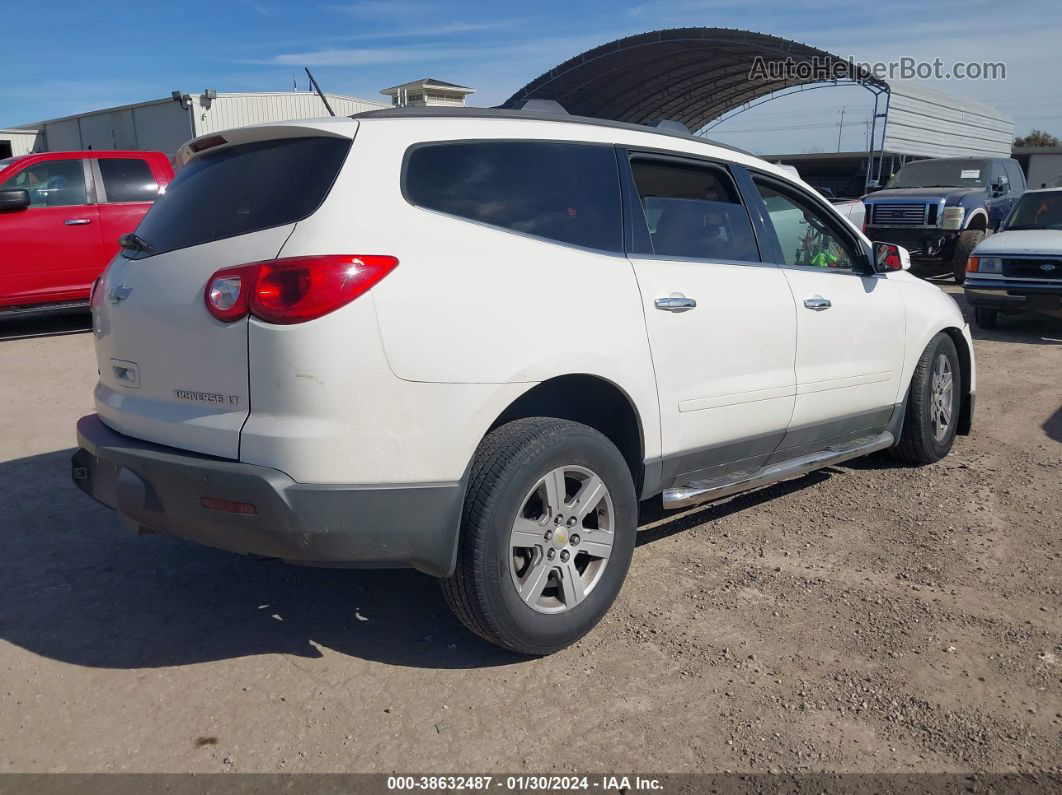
[(295, 289)]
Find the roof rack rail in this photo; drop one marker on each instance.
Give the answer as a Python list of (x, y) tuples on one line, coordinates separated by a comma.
[(670, 125), (540, 106)]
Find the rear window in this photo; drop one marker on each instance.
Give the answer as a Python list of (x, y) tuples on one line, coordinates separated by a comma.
[(564, 192), (128, 179), (243, 189)]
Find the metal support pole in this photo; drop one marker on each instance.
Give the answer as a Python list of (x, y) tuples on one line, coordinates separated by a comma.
[(870, 147), (884, 128)]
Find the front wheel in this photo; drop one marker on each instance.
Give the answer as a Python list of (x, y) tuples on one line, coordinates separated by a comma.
[(547, 535), (933, 402)]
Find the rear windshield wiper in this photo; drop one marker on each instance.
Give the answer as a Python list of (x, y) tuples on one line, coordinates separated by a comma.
[(134, 242)]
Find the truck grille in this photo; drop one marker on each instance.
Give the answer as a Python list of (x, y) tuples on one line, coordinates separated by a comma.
[(1033, 268), (899, 214)]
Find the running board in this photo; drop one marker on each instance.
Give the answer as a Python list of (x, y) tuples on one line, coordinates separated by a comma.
[(717, 488)]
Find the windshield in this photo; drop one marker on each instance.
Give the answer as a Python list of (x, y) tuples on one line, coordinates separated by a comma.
[(941, 174), (1037, 211), (241, 189), (7, 161)]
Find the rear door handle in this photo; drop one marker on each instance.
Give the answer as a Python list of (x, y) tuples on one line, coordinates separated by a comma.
[(817, 303), (77, 221), (675, 303)]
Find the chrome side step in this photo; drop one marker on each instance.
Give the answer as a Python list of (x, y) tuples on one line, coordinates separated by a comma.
[(717, 488)]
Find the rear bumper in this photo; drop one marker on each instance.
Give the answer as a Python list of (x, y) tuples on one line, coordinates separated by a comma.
[(159, 489)]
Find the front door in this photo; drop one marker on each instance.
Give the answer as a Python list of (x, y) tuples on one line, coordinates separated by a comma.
[(721, 323), (52, 250), (850, 326)]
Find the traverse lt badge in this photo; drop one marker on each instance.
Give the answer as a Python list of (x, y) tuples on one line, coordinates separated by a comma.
[(206, 397)]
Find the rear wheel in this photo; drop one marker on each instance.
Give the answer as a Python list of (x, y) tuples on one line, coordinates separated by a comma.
[(932, 404), (985, 317), (964, 246), (547, 535)]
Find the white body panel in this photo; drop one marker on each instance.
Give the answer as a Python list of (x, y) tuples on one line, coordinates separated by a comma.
[(400, 386)]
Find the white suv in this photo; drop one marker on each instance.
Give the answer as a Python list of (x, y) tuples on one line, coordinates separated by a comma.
[(470, 341)]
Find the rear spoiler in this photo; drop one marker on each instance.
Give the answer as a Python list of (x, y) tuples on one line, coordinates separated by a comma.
[(338, 127)]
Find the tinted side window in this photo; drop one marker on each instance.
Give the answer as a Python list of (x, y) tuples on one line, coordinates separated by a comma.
[(561, 191), (53, 183), (693, 211), (242, 189), (803, 231), (128, 179)]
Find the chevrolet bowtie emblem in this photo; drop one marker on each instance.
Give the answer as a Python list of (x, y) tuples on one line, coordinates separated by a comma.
[(120, 293)]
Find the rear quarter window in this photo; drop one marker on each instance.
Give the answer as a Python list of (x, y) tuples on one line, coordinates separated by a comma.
[(564, 192), (243, 189)]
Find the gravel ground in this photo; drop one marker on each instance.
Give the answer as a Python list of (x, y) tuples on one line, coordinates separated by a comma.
[(868, 618)]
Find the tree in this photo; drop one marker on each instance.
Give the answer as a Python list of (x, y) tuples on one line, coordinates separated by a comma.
[(1037, 138)]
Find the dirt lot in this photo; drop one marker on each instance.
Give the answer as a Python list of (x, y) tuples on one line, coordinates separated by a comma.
[(866, 618)]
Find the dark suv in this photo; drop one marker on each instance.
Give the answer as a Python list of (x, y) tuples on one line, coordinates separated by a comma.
[(941, 209)]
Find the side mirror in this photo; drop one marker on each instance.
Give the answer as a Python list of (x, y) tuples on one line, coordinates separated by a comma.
[(14, 199), (1000, 186), (890, 257)]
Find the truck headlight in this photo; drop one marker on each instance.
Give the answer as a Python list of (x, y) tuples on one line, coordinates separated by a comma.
[(953, 216), (984, 265)]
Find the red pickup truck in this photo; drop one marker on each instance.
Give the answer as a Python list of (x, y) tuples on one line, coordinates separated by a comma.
[(61, 214)]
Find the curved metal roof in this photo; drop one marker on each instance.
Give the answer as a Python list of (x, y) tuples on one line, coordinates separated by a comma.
[(691, 75)]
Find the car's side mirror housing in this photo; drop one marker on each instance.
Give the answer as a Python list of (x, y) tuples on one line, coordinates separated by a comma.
[(890, 257), (14, 199), (1000, 186)]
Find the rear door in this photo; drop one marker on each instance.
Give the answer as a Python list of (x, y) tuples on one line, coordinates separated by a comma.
[(721, 323), (52, 250), (169, 371), (126, 189)]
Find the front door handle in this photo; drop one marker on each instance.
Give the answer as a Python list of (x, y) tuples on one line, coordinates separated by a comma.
[(675, 303), (77, 221), (817, 303)]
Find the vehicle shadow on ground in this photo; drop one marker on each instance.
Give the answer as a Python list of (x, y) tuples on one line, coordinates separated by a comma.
[(75, 587), (57, 325), (1053, 426)]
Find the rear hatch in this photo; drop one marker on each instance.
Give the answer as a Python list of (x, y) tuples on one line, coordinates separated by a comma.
[(170, 372)]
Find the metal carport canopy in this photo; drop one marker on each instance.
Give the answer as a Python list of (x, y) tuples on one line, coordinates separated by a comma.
[(696, 75)]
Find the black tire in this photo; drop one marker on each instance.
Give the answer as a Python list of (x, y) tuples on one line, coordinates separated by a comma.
[(918, 443), (508, 463), (986, 317), (964, 246)]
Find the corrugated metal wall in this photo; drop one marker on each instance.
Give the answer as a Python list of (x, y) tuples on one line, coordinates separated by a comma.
[(241, 110), (164, 125), (930, 123)]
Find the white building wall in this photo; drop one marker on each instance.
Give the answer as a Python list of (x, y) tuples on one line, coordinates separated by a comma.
[(22, 142), (163, 125), (242, 110), (929, 123)]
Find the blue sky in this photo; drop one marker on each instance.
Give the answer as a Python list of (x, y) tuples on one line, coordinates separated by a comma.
[(78, 56)]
